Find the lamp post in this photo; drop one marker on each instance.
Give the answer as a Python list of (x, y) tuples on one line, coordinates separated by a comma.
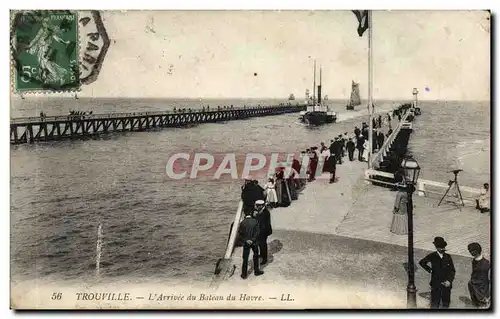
[(411, 171)]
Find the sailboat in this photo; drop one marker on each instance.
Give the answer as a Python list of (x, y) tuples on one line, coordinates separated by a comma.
[(291, 97), (317, 112), (355, 99)]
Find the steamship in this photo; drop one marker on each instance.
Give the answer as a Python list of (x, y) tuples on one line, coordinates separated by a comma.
[(317, 112)]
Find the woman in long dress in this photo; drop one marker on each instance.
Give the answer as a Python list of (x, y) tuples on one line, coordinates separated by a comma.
[(400, 214), (271, 196), (291, 187), (313, 165), (324, 158), (279, 175)]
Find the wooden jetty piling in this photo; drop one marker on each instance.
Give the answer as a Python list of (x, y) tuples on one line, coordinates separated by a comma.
[(50, 128)]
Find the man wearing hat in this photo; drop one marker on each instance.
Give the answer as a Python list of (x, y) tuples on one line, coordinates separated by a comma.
[(442, 273), (342, 145), (337, 149), (360, 142), (351, 146), (357, 131), (261, 213), (248, 234)]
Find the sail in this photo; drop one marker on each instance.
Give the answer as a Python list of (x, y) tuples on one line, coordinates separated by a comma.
[(355, 98)]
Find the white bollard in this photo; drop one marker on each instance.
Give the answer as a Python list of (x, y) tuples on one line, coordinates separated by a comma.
[(421, 188), (367, 176)]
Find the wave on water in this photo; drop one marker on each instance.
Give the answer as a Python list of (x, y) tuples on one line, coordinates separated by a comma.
[(474, 156)]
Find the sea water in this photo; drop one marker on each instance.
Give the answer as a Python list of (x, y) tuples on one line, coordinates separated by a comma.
[(63, 192)]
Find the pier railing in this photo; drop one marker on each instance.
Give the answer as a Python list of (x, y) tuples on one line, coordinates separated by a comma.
[(379, 156), (36, 119), (234, 231), (49, 128)]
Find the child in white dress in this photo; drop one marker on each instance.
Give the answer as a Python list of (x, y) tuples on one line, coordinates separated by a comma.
[(271, 196)]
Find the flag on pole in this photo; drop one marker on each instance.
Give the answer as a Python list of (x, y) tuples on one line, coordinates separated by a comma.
[(362, 16)]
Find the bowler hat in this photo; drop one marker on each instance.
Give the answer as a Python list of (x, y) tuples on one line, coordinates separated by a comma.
[(439, 242)]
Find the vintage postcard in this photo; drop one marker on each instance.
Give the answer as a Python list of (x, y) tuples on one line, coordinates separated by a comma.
[(250, 159)]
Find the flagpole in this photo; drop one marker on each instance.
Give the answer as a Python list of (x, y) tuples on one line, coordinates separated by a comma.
[(370, 88)]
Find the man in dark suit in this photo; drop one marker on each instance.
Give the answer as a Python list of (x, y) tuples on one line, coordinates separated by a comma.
[(343, 140), (261, 213), (247, 195), (337, 148), (350, 149), (251, 191), (442, 273), (357, 131), (332, 165), (360, 142), (380, 139), (248, 233)]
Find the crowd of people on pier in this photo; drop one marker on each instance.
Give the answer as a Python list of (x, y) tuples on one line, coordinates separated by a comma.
[(78, 114), (203, 109), (206, 108), (282, 189)]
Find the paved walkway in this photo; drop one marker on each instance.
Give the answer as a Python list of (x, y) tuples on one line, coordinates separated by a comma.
[(355, 209), (370, 218)]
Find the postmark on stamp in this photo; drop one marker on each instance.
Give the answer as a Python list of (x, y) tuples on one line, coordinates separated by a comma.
[(45, 50), (94, 43)]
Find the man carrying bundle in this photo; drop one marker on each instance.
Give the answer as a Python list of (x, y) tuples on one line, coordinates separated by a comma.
[(248, 233)]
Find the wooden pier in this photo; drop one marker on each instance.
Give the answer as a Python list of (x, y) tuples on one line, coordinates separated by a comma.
[(50, 128)]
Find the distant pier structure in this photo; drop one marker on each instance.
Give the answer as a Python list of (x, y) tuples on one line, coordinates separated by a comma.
[(50, 128)]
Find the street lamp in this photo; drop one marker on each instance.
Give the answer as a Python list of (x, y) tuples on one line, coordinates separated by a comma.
[(411, 171)]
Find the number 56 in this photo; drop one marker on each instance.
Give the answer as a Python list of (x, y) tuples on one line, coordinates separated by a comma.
[(56, 296), (27, 72)]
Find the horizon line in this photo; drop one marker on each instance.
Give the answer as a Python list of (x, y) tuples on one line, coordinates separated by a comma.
[(64, 96)]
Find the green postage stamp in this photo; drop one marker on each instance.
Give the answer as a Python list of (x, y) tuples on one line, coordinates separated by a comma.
[(45, 50)]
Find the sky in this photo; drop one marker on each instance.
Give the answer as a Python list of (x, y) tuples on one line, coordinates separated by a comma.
[(252, 54)]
